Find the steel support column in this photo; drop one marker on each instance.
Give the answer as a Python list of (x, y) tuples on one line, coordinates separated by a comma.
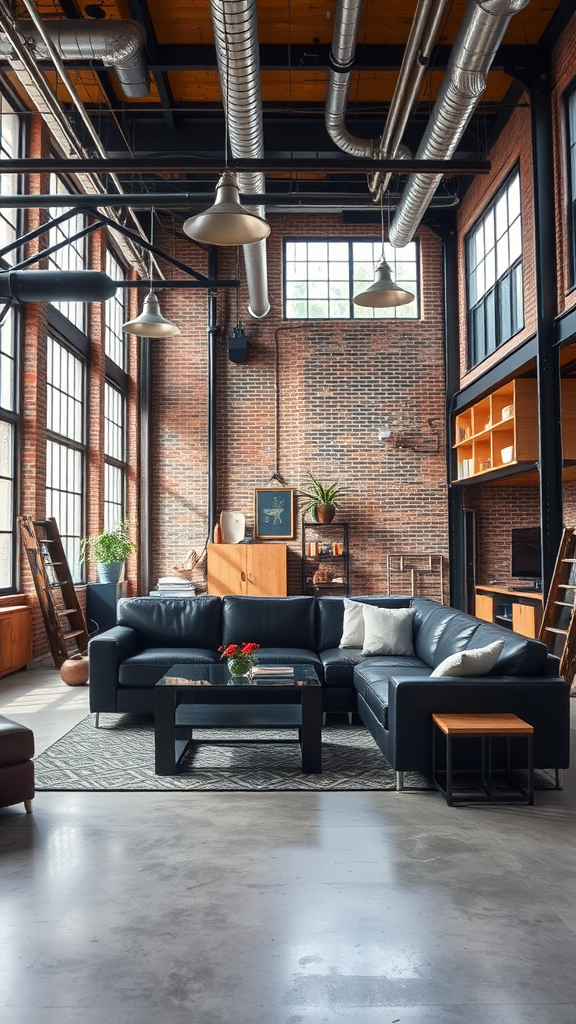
[(144, 396), (547, 357), (212, 398), (456, 551)]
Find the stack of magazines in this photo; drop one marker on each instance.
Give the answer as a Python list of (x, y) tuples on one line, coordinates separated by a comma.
[(173, 586), (273, 672)]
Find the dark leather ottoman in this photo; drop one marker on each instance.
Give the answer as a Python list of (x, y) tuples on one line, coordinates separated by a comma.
[(16, 765)]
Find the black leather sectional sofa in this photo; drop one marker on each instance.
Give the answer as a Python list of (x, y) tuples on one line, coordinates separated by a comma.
[(394, 695)]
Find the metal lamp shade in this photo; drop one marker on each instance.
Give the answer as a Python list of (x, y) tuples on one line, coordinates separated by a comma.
[(384, 291), (151, 323), (227, 222)]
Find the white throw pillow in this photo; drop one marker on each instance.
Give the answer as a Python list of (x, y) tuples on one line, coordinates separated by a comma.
[(475, 662), (353, 626), (387, 630)]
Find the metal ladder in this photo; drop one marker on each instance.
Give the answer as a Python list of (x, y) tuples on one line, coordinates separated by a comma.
[(63, 617), (558, 629)]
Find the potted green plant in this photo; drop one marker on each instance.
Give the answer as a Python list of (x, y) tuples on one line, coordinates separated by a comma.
[(320, 500), (109, 550)]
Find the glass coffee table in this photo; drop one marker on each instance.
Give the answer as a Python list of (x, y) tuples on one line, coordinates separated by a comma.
[(190, 698)]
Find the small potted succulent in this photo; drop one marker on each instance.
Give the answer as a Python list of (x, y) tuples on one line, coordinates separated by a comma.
[(109, 550), (320, 500)]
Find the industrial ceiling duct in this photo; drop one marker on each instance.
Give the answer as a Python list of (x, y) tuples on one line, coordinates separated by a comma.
[(237, 52), (118, 44), (481, 32)]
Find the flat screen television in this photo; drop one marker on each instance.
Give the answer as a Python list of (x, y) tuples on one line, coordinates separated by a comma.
[(527, 553)]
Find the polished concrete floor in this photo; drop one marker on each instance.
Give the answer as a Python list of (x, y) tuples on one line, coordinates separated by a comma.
[(280, 908)]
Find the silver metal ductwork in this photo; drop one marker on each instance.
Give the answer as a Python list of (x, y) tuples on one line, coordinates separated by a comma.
[(484, 25), (346, 17), (118, 44), (237, 52)]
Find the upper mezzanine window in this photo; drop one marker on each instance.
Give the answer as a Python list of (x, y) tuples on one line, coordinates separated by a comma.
[(571, 155), (494, 273), (71, 256), (321, 277), (10, 134), (114, 315)]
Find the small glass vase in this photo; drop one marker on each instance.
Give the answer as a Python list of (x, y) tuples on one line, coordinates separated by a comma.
[(240, 675)]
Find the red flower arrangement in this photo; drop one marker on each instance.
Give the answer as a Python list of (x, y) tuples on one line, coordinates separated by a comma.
[(240, 657)]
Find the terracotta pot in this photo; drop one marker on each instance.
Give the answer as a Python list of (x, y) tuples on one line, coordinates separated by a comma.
[(74, 671), (324, 513)]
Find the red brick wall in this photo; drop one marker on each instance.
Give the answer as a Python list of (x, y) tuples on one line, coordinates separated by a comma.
[(513, 145), (563, 75), (339, 383)]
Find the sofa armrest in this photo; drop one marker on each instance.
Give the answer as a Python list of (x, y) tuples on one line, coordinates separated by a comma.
[(106, 652), (544, 702)]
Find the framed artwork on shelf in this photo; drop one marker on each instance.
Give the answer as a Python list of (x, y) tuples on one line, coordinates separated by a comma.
[(273, 513)]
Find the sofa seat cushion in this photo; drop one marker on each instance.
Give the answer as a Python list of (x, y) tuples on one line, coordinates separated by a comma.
[(289, 656), (372, 683), (339, 664), (373, 670), (521, 656), (147, 667)]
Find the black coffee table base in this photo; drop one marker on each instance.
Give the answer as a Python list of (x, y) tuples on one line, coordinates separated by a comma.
[(176, 722)]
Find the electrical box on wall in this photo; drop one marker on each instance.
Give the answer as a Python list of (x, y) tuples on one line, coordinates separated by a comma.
[(238, 345)]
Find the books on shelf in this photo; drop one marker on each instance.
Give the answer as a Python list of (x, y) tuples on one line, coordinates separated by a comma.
[(273, 672)]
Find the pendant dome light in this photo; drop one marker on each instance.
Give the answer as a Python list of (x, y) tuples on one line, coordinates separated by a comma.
[(227, 222), (384, 292), (151, 323)]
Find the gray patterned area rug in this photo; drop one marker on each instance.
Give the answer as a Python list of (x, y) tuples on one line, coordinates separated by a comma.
[(120, 756)]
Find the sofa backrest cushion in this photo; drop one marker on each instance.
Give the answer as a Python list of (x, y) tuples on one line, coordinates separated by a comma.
[(440, 631), (330, 617), (521, 656), (269, 621), (169, 622)]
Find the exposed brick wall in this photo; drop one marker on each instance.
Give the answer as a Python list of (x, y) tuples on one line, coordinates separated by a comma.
[(563, 75), (499, 509), (339, 382), (514, 145)]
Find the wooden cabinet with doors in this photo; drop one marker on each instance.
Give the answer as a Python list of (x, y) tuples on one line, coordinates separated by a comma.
[(15, 638), (257, 570)]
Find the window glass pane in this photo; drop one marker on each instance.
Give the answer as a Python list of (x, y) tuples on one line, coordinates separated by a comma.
[(514, 198), (515, 239), (6, 504), (8, 361), (517, 300), (65, 412), (72, 255), (64, 481), (505, 310), (502, 258), (6, 568), (490, 321), (114, 315)]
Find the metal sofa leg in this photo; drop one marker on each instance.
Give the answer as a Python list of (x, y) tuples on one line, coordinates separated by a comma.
[(399, 781), (559, 774), (28, 806), (324, 718), (97, 720), (350, 717)]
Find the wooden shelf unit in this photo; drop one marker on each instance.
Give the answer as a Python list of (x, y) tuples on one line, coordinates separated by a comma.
[(15, 638), (508, 419), (325, 559), (519, 610), (258, 570)]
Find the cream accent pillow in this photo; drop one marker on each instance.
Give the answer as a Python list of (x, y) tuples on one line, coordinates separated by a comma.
[(387, 630), (475, 662), (353, 626)]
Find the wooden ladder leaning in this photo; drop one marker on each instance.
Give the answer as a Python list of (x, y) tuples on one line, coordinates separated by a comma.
[(63, 617), (558, 629)]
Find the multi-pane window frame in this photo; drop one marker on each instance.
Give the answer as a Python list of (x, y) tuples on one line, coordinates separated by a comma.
[(115, 464), (355, 284), (489, 305), (115, 344), (11, 146), (73, 444), (71, 256), (570, 121)]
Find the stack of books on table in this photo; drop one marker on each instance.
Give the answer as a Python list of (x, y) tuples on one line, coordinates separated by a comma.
[(273, 672), (173, 586)]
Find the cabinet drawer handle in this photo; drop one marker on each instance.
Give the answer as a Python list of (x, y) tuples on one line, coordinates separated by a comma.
[(243, 577), (250, 580)]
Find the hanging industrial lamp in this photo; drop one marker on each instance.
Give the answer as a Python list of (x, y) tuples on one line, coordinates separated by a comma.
[(227, 222), (151, 323), (384, 292)]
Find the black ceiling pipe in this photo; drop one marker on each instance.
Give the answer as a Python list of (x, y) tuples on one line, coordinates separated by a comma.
[(56, 286)]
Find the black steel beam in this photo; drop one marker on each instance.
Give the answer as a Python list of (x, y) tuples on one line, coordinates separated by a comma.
[(157, 285), (196, 165), (185, 200), (212, 328), (547, 354)]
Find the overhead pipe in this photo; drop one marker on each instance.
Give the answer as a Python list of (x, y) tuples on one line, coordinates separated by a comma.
[(238, 57), (118, 44), (480, 35)]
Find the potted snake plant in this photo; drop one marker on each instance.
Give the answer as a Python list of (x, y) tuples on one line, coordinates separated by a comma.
[(320, 500)]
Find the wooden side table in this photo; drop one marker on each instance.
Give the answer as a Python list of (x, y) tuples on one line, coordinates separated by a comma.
[(485, 727)]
